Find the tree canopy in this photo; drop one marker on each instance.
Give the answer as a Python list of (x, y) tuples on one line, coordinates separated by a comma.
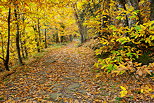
[(123, 31)]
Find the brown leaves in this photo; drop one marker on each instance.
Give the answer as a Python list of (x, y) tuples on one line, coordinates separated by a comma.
[(4, 74), (44, 77), (69, 79), (145, 69)]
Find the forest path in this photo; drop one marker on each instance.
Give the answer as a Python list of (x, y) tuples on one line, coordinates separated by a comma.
[(62, 75)]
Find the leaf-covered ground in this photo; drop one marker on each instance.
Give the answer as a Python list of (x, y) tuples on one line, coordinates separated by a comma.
[(62, 75)]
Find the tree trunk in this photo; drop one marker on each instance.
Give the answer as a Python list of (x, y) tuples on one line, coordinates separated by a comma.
[(80, 24), (39, 34), (62, 39), (6, 61), (17, 35), (81, 28), (21, 34), (22, 48), (25, 49), (56, 38), (45, 40), (36, 38), (71, 38), (24, 41)]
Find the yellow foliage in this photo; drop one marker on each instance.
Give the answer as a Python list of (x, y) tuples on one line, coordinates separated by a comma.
[(123, 92), (146, 89), (123, 88)]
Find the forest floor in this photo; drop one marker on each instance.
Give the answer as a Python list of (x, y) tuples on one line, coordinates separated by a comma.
[(61, 75)]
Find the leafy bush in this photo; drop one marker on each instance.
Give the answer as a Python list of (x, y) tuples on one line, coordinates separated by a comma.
[(128, 49)]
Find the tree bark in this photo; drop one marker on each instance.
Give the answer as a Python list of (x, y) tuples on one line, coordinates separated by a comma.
[(36, 38), (81, 27), (17, 35), (56, 38), (6, 61), (22, 47), (45, 40), (79, 21), (24, 41), (39, 34)]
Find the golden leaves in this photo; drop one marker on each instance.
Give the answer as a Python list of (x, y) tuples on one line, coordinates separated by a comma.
[(123, 93), (146, 89)]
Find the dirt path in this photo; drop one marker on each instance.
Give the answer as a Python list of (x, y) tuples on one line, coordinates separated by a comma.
[(62, 75)]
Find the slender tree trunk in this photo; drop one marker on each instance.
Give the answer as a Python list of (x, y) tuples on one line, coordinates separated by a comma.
[(21, 42), (22, 48), (81, 33), (79, 23), (17, 36), (39, 34), (24, 41), (80, 26), (36, 38), (56, 38), (45, 40), (25, 49), (62, 38), (6, 61)]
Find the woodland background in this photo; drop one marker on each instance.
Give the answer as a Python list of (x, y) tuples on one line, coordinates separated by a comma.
[(121, 32)]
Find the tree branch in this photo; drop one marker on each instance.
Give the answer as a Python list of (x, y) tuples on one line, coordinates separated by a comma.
[(2, 59)]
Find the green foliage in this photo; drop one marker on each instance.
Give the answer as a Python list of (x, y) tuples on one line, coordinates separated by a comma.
[(127, 47), (127, 52), (118, 98)]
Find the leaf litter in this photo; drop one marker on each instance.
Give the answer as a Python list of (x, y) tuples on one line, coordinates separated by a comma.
[(63, 75)]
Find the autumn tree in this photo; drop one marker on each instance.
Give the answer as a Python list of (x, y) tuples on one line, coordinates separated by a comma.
[(124, 35), (6, 59), (16, 14), (30, 26)]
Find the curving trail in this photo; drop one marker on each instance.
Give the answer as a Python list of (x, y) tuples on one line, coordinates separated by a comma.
[(62, 75)]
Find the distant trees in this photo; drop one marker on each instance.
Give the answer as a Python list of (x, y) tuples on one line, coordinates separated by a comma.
[(30, 26), (83, 10), (80, 16)]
